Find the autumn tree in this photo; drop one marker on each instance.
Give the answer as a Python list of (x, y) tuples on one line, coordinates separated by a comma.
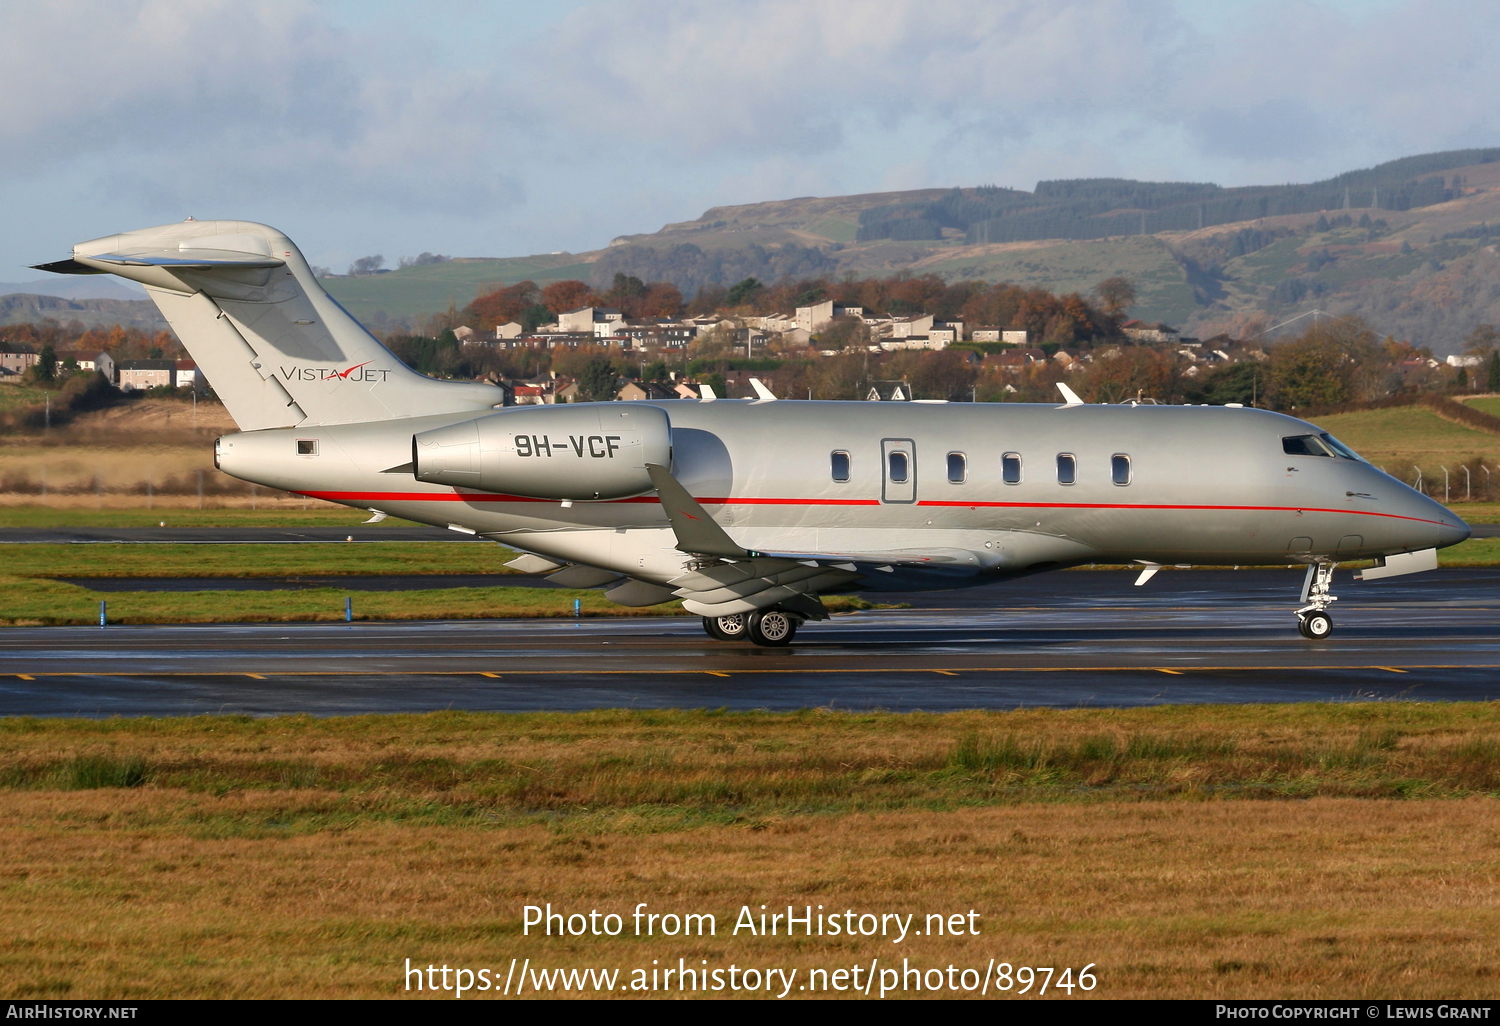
[(662, 299), (1332, 362), (562, 296), (843, 333), (503, 305), (1117, 293)]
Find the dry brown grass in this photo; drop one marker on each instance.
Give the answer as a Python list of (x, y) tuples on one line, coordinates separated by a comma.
[(231, 857), (1246, 899)]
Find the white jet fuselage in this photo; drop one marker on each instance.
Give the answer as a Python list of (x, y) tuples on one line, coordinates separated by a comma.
[(1202, 485)]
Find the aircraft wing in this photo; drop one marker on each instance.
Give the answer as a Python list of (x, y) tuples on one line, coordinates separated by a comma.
[(733, 579)]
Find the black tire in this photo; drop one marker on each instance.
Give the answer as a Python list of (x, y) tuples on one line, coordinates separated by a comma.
[(726, 628), (1315, 626), (772, 628)]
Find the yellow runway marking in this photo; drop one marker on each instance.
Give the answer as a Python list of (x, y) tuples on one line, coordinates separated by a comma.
[(486, 673), (1161, 669), (25, 676), (946, 673), (257, 676), (715, 673), (1390, 669)]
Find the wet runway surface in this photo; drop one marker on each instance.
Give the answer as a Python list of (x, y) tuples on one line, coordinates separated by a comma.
[(1065, 639)]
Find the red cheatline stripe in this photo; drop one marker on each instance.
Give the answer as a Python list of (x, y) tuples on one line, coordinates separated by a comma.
[(746, 501), (494, 497), (1126, 505)]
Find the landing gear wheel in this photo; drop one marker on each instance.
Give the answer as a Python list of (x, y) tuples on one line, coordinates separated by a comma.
[(726, 628), (1315, 626), (772, 628)]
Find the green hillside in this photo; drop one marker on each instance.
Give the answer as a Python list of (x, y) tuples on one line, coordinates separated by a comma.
[(1407, 245), (416, 292), (1163, 291)]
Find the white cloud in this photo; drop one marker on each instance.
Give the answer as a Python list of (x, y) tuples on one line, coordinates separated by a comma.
[(615, 117)]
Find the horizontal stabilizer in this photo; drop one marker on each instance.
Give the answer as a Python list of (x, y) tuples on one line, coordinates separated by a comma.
[(1399, 564), (69, 266), (188, 260)]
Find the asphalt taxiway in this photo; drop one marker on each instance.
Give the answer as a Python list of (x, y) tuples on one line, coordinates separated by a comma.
[(1063, 639)]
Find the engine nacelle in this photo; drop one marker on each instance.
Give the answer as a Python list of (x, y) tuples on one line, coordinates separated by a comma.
[(593, 451)]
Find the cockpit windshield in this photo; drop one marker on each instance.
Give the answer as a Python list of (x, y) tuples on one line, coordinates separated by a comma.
[(1340, 448), (1304, 445), (1317, 445)]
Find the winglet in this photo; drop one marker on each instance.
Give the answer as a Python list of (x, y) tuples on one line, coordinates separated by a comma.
[(1069, 395), (696, 531), (706, 393), (762, 393)]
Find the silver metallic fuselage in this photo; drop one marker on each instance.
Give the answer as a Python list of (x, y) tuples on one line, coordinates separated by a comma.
[(1208, 485)]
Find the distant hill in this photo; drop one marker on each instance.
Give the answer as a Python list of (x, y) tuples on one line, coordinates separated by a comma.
[(75, 286), (1407, 244), (140, 313)]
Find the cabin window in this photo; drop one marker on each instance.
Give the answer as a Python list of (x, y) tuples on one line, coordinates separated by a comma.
[(840, 461), (1067, 468), (1010, 468), (1119, 468), (307, 447), (957, 467), (1305, 445), (898, 467)]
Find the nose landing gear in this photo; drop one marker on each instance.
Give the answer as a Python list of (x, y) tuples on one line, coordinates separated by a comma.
[(1313, 621)]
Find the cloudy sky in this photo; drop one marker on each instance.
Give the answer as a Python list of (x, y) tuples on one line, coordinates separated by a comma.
[(498, 128)]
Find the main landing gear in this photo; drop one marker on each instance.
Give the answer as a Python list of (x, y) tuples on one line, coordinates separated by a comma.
[(770, 628), (1313, 621)]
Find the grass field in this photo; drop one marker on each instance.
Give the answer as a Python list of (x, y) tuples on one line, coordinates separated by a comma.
[(311, 558), (1397, 440), (1488, 404), (1248, 851)]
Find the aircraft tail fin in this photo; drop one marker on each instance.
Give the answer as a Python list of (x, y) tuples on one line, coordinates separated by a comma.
[(278, 349)]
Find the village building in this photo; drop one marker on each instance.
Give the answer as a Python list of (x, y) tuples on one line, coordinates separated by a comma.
[(143, 374), (15, 358)]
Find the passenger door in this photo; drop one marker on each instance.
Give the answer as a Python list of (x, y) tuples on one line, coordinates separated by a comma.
[(898, 470)]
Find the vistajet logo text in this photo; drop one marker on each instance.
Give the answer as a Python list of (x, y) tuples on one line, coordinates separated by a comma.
[(359, 372)]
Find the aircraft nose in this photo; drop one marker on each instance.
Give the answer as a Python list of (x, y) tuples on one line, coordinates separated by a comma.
[(1442, 525), (1453, 531)]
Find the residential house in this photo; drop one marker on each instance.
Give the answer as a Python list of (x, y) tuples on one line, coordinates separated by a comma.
[(1013, 360), (599, 321), (15, 358), (636, 391), (187, 374), (465, 335), (83, 361), (814, 318), (142, 374), (905, 327), (1140, 331), (105, 364), (1013, 338)]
